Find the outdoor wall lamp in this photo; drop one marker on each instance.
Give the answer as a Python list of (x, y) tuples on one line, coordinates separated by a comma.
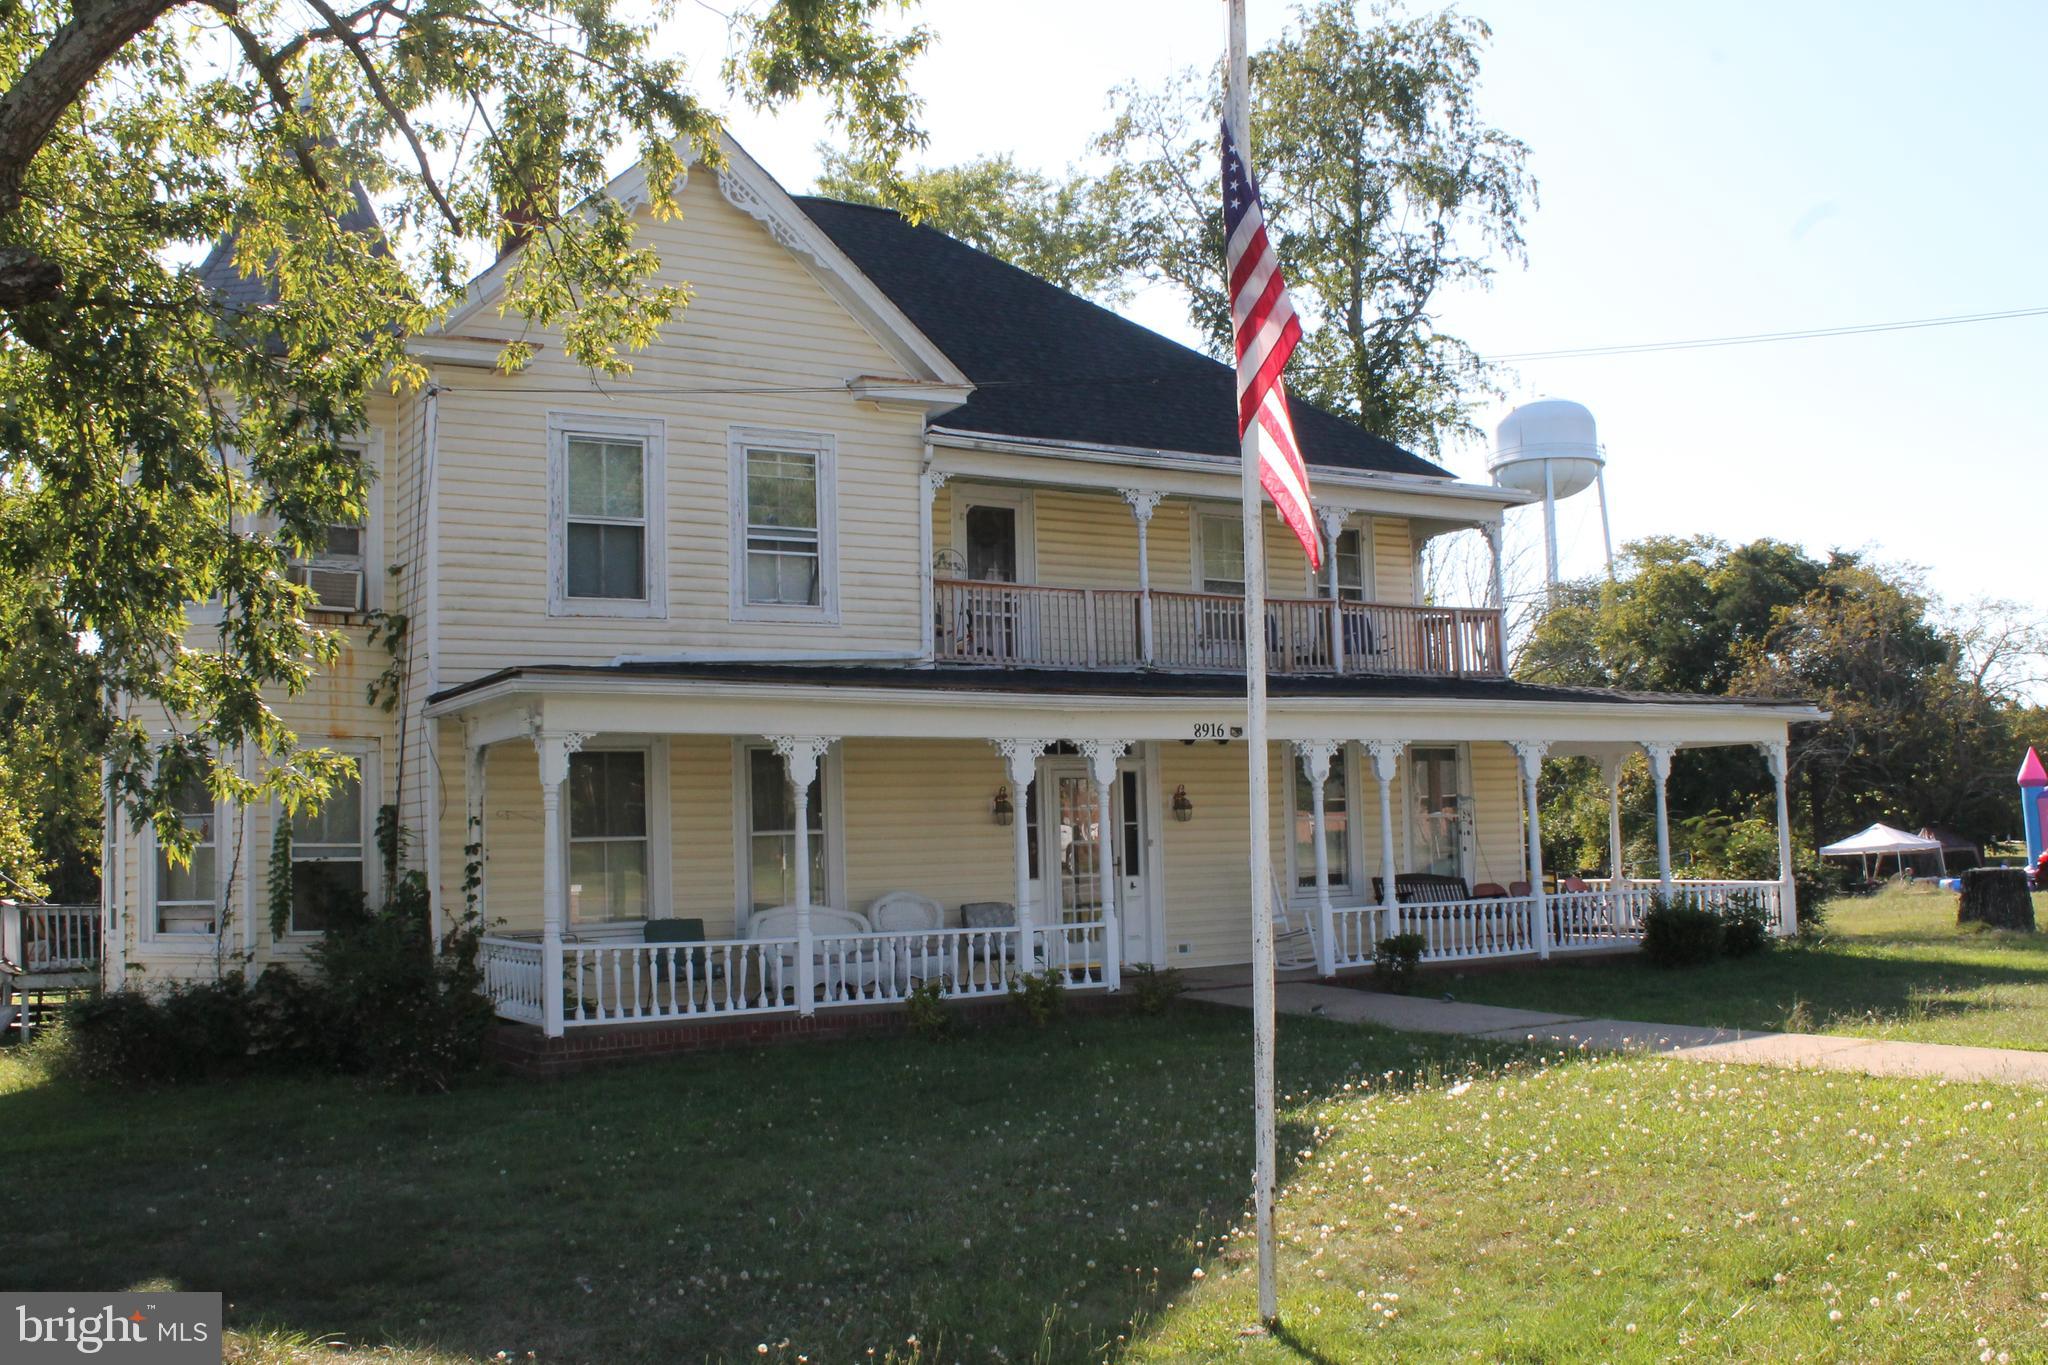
[(1002, 810), (1183, 809)]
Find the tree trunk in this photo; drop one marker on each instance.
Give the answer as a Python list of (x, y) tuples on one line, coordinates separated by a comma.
[(1997, 896)]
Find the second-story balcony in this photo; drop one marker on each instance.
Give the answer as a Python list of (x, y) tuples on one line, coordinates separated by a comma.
[(1024, 625)]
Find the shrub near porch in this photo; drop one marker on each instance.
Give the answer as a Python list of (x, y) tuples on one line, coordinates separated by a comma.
[(1072, 1194)]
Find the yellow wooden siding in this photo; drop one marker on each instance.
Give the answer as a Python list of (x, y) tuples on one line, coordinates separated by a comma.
[(1208, 883), (758, 320), (1393, 561), (1497, 815), (917, 818)]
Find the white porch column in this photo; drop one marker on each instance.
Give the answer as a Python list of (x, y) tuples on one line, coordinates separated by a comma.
[(1530, 752), (800, 755), (1102, 756), (1776, 756), (928, 492), (1610, 768), (1492, 531), (1020, 760), (1333, 519), (475, 759), (1386, 761), (1144, 502), (1660, 752), (555, 747), (1314, 756)]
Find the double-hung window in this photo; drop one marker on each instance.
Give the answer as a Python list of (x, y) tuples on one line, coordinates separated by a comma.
[(607, 540), (608, 840), (330, 863), (784, 526), (1336, 826), (1354, 583), (188, 896), (1222, 554)]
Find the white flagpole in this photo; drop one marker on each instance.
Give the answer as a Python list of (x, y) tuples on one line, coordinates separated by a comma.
[(1264, 1180)]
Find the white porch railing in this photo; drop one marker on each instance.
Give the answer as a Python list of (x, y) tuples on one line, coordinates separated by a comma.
[(611, 983), (512, 978), (49, 938), (1504, 926), (1019, 624), (630, 982)]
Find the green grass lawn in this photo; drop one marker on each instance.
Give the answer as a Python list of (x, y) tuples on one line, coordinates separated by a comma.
[(1894, 965), (1077, 1194)]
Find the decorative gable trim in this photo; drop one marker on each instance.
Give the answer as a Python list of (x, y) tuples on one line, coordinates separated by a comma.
[(742, 195)]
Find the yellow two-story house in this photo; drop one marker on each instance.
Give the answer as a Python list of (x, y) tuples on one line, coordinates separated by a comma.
[(884, 628)]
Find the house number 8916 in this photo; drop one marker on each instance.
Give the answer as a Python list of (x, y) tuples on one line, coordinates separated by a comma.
[(1217, 730)]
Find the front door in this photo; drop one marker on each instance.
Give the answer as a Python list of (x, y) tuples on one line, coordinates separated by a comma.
[(1437, 831), (1068, 847), (997, 626)]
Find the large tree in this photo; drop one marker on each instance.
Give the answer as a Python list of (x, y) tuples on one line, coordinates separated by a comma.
[(163, 444), (1384, 184)]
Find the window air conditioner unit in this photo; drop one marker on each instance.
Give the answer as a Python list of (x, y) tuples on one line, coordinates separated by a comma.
[(334, 588)]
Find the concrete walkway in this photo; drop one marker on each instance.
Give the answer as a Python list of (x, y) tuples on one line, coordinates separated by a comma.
[(1417, 1014)]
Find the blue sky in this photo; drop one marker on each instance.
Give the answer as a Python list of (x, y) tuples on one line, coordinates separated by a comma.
[(1705, 171)]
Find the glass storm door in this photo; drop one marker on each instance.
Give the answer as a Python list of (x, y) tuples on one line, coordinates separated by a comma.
[(1134, 917), (1438, 833), (998, 625), (1070, 839)]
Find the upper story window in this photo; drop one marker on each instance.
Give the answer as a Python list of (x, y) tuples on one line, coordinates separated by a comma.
[(1353, 557), (607, 541), (785, 531), (336, 567), (188, 897), (1222, 553)]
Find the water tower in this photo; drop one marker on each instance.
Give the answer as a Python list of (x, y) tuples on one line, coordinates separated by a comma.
[(1551, 447)]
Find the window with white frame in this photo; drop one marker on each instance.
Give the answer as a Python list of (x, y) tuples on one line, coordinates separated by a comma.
[(188, 894), (608, 841), (784, 526), (1222, 553), (1354, 579), (607, 539), (1336, 826), (330, 861), (771, 833)]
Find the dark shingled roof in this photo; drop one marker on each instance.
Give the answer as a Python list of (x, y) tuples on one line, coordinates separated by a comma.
[(1055, 367), (237, 291), (1075, 682)]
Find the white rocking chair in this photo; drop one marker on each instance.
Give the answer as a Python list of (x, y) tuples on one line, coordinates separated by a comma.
[(1293, 948)]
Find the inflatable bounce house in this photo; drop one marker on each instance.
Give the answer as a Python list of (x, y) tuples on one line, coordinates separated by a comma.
[(2034, 809)]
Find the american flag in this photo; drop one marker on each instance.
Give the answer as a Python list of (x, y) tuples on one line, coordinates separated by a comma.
[(1267, 331)]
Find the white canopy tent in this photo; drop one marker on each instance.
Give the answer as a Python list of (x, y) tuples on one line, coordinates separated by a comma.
[(1881, 839)]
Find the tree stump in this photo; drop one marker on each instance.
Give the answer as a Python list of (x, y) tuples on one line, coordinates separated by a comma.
[(1997, 896)]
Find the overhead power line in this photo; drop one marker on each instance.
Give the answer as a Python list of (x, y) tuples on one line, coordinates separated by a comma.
[(1758, 338)]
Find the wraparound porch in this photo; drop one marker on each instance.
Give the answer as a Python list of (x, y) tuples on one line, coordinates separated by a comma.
[(901, 800)]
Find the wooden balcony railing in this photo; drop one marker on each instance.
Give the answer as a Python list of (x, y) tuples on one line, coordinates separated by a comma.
[(1023, 625)]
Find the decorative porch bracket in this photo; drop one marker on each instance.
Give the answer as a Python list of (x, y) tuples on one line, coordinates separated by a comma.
[(1020, 762), (1530, 753), (1144, 502), (800, 755), (1660, 752), (1386, 762), (1777, 757), (1103, 756), (555, 748), (1315, 756)]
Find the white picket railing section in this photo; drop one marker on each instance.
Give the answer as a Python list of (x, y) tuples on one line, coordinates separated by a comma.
[(1077, 951), (1601, 917), (50, 938), (884, 966), (1457, 930), (611, 983), (512, 978), (1023, 624)]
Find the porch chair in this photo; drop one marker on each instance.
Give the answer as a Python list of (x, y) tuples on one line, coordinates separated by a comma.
[(846, 972), (907, 959)]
